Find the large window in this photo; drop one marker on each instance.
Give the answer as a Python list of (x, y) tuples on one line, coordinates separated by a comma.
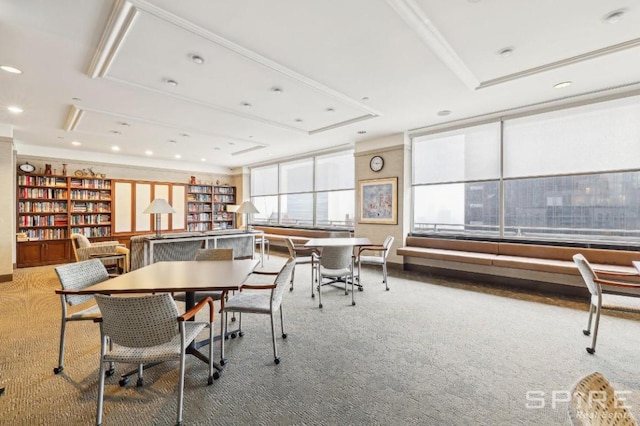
[(567, 175), (312, 192)]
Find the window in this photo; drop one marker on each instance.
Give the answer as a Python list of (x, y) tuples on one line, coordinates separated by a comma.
[(311, 192), (566, 175)]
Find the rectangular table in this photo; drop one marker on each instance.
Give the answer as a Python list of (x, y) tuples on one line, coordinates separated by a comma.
[(188, 276), (339, 242)]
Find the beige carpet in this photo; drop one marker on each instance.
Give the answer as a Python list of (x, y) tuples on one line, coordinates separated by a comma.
[(428, 352)]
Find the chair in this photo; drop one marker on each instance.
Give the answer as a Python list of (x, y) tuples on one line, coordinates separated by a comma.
[(335, 263), (214, 254), (262, 302), (600, 300), (83, 249), (144, 329), (380, 259), (594, 402), (302, 255), (76, 276)]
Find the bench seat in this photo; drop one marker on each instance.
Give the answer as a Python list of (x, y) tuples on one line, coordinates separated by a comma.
[(278, 235)]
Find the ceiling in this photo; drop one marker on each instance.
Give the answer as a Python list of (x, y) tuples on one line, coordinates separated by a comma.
[(284, 78)]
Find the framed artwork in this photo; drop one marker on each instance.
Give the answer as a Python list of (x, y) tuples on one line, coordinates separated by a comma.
[(379, 201)]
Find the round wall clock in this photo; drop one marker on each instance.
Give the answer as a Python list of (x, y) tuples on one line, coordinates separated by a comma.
[(376, 164), (26, 167)]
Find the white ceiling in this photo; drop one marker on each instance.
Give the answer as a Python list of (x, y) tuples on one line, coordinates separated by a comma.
[(96, 71)]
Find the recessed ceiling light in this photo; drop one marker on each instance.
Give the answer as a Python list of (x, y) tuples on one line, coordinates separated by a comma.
[(216, 148), (10, 69), (172, 141), (277, 90), (197, 59), (186, 135), (444, 112), (60, 137), (614, 17), (178, 156), (115, 148), (75, 143), (232, 143), (562, 84), (506, 52), (171, 82), (298, 120), (76, 99), (203, 159), (124, 123), (362, 132), (330, 110), (246, 104), (15, 109), (148, 152), (115, 132), (365, 98)]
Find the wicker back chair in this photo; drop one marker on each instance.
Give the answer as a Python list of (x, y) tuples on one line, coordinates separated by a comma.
[(263, 302), (145, 329), (594, 402), (336, 264), (76, 276)]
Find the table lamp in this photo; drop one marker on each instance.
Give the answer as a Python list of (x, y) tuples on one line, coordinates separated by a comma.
[(157, 207), (247, 207)]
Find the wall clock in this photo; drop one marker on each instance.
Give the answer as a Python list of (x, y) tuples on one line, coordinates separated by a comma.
[(26, 167), (376, 164)]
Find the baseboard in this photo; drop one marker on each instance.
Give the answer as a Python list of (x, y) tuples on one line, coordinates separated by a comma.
[(6, 278)]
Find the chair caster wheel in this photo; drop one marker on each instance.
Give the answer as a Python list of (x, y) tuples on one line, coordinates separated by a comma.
[(291, 289), (586, 332), (58, 370), (123, 382), (139, 382), (353, 303), (346, 293), (233, 319), (216, 375), (240, 334), (277, 361), (387, 289), (313, 296), (210, 381), (233, 335), (360, 289), (591, 351), (223, 361), (226, 337), (284, 335), (320, 306), (109, 372)]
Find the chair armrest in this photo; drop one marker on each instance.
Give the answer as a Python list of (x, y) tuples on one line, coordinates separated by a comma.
[(257, 286), (99, 319), (265, 272), (371, 248), (615, 283), (105, 243), (192, 312), (615, 273)]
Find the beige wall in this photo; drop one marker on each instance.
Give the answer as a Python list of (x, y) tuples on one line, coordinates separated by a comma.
[(7, 212), (395, 150)]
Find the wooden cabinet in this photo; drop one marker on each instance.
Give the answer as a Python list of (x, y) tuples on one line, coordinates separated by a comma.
[(37, 253)]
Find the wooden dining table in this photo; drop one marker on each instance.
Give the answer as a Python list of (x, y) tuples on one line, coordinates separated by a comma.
[(180, 276)]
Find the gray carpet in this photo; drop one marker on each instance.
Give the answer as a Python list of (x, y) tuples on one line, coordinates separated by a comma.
[(428, 352)]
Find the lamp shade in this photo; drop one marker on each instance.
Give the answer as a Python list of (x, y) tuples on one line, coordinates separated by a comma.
[(159, 205), (247, 207)]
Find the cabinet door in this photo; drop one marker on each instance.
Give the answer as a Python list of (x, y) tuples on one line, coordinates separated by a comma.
[(37, 253), (57, 251), (29, 254)]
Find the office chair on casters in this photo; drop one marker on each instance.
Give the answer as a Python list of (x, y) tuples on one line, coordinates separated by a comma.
[(262, 302), (144, 329), (381, 259), (600, 300), (76, 276), (302, 255), (336, 264)]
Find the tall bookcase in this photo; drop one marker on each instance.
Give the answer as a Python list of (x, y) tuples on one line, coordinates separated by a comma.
[(207, 207), (199, 207), (51, 208)]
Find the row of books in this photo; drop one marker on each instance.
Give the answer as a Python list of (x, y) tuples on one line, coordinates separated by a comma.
[(45, 220), (85, 194), (92, 231), (51, 194), (42, 207), (42, 181)]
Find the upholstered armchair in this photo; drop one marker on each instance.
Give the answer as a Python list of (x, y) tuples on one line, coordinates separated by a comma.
[(83, 249)]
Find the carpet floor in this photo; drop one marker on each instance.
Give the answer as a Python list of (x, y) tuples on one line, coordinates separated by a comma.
[(428, 352)]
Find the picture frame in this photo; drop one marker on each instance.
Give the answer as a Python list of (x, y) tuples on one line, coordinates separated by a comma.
[(379, 201)]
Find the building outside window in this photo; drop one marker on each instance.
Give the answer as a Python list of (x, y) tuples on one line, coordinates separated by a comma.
[(311, 192), (567, 175)]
